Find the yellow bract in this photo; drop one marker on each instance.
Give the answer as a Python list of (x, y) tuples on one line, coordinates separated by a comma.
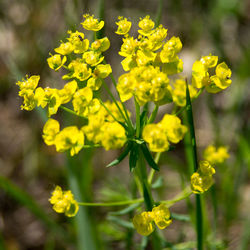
[(215, 155), (168, 129), (146, 25), (50, 130), (202, 180), (64, 202), (56, 61), (65, 48), (123, 26), (144, 222), (70, 138), (91, 23)]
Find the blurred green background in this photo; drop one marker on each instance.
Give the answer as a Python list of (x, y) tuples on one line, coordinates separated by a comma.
[(29, 30)]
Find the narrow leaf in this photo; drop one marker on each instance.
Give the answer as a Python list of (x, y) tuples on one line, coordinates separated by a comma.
[(133, 156), (126, 210), (121, 157), (121, 222), (149, 158)]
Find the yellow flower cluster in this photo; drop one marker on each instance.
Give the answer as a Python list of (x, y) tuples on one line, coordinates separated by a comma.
[(158, 136), (69, 138), (105, 129), (144, 222), (64, 202), (201, 74), (215, 155), (149, 59), (202, 180)]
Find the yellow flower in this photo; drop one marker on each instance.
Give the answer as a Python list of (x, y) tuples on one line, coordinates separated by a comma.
[(64, 48), (56, 61), (174, 129), (161, 216), (143, 223), (101, 45), (155, 137), (199, 73), (113, 135), (81, 100), (30, 83), (92, 58), (50, 130), (129, 46), (215, 155), (146, 25), (29, 101), (123, 26), (209, 61), (64, 202), (68, 91), (70, 138), (80, 70), (205, 168), (79, 43), (201, 183), (157, 37), (52, 99), (101, 71), (125, 86), (91, 23)]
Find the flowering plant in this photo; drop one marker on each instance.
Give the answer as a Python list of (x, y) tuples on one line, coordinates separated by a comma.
[(152, 67)]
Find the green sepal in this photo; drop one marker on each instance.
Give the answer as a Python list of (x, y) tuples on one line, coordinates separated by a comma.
[(149, 158), (133, 156), (121, 156)]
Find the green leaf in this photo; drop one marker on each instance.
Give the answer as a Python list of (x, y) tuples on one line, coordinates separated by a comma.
[(133, 156), (180, 217), (121, 157), (158, 183), (149, 158), (125, 210), (120, 222)]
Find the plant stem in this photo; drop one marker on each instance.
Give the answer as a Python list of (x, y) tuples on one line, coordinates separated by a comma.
[(71, 112), (153, 115), (199, 219), (110, 204), (138, 123)]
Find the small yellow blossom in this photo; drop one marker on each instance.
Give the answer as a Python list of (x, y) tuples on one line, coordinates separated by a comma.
[(30, 83), (64, 202), (52, 100), (143, 223), (215, 155), (173, 127), (146, 26), (209, 61), (91, 23), (101, 45), (80, 70), (126, 85), (155, 137), (68, 91), (81, 100), (123, 26), (70, 138), (113, 135), (65, 48), (93, 58), (79, 43), (56, 61), (201, 183), (50, 130), (161, 216)]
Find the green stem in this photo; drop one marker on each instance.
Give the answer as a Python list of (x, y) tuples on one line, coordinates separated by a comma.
[(199, 219), (153, 115), (110, 204), (124, 108), (138, 122), (71, 112), (114, 100), (152, 171)]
